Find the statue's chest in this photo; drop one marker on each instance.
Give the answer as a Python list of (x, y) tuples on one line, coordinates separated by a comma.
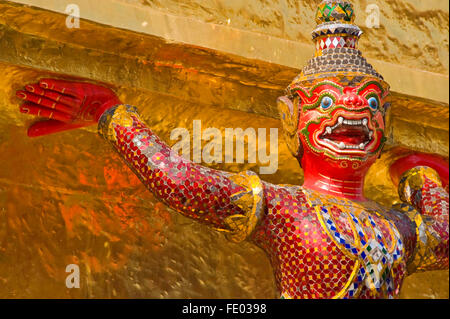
[(366, 235), (327, 247)]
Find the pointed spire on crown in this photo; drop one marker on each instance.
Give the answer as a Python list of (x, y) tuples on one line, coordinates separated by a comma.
[(336, 51), (335, 28)]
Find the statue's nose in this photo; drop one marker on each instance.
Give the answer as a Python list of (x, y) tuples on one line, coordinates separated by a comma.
[(352, 100)]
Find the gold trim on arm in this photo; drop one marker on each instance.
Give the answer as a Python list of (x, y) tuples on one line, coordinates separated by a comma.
[(251, 201), (410, 191), (412, 181), (119, 114), (423, 255)]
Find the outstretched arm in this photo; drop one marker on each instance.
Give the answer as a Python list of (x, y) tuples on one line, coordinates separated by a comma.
[(421, 181), (228, 202)]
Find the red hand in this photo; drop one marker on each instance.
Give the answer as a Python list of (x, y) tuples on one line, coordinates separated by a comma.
[(420, 159), (66, 105)]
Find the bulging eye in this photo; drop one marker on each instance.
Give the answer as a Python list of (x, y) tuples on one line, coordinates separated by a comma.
[(373, 103), (326, 102)]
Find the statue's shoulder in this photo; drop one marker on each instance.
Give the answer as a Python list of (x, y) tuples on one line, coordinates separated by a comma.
[(401, 211), (283, 194)]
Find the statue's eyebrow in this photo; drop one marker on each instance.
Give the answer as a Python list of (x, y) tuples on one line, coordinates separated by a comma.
[(309, 92), (336, 86), (369, 83)]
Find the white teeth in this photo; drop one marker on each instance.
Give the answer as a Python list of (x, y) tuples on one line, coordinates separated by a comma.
[(341, 120)]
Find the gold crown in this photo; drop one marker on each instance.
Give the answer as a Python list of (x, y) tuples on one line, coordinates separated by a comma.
[(336, 54)]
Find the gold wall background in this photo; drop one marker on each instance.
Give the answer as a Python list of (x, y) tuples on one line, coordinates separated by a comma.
[(408, 28), (68, 198)]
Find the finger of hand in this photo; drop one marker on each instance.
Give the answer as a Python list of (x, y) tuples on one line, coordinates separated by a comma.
[(55, 96), (34, 109), (60, 86), (49, 127), (40, 100)]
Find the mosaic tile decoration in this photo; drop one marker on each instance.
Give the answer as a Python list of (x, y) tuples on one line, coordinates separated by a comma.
[(320, 245)]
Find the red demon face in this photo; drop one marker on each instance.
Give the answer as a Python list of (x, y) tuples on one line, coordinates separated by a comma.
[(342, 125)]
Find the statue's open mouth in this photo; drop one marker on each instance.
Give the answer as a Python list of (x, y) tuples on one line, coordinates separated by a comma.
[(348, 134)]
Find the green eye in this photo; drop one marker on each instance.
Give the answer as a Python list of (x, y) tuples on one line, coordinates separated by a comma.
[(326, 102), (373, 103)]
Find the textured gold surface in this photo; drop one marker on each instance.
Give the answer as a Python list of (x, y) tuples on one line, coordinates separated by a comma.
[(68, 198), (277, 32), (413, 33), (40, 40)]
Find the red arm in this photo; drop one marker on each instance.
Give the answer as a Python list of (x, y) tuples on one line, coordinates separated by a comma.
[(228, 202), (421, 187)]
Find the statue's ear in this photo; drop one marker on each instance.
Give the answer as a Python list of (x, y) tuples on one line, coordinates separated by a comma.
[(289, 115), (388, 131), (386, 109)]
